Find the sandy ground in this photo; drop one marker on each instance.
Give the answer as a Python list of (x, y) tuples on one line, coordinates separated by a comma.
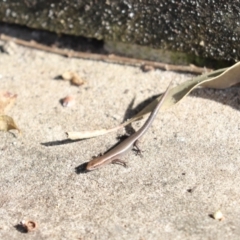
[(189, 168)]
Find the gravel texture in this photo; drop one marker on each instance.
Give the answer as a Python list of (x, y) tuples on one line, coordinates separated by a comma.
[(188, 171)]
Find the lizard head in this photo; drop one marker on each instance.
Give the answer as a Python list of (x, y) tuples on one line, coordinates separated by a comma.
[(91, 167), (93, 164)]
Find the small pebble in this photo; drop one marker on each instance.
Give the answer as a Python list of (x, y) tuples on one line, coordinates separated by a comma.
[(68, 101), (29, 226), (218, 215)]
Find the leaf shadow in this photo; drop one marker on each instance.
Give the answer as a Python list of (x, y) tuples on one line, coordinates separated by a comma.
[(229, 96), (60, 142), (131, 112)]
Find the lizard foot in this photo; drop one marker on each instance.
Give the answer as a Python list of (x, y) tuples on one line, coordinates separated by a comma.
[(138, 150), (118, 161)]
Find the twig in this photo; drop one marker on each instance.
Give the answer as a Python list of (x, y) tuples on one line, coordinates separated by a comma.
[(107, 58)]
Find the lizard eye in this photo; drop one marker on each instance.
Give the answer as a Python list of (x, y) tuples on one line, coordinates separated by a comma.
[(90, 167)]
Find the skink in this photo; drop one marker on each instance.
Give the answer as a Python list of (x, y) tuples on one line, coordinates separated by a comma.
[(113, 156)]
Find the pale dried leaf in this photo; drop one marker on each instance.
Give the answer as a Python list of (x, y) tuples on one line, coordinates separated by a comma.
[(90, 134), (67, 76), (73, 77), (219, 79), (7, 123), (10, 48), (228, 78), (7, 99), (77, 80)]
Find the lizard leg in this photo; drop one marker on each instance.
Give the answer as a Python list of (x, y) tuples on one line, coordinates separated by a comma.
[(138, 150), (118, 161)]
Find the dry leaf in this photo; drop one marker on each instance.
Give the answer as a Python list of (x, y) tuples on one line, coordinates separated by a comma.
[(67, 76), (90, 134), (7, 99), (10, 48), (73, 77), (219, 79), (77, 80), (7, 123)]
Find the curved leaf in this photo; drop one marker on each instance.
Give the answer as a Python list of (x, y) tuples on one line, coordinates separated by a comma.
[(219, 79)]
